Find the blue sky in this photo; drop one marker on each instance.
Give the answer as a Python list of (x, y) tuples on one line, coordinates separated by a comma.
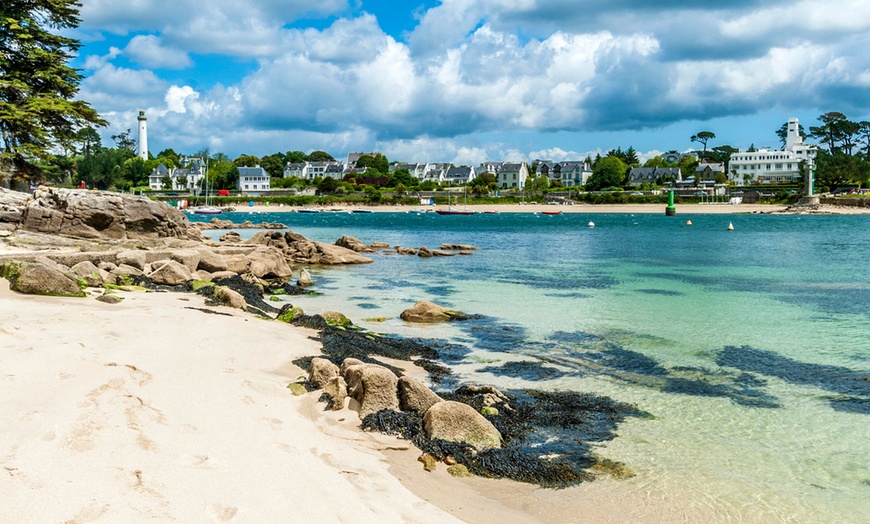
[(465, 81)]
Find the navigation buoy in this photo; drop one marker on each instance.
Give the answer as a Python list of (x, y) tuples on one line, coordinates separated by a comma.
[(688, 222), (730, 226), (591, 224)]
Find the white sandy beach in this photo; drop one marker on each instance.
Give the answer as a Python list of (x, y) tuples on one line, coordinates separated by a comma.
[(152, 410), (147, 411)]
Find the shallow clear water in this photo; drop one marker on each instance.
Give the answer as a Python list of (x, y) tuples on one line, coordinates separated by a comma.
[(750, 348)]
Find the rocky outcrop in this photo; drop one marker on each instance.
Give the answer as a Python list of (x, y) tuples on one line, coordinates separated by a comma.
[(12, 204), (102, 215), (34, 278), (354, 244), (458, 247), (415, 396), (268, 262), (457, 422), (298, 249), (332, 255), (425, 311)]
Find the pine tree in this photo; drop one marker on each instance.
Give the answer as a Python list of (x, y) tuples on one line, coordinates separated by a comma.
[(37, 87)]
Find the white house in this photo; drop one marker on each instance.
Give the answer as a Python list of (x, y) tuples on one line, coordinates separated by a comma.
[(183, 179), (417, 170), (570, 174), (253, 179), (510, 175), (773, 167), (459, 175)]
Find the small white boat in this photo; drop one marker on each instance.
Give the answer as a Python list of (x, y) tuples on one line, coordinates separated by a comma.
[(207, 210), (307, 210), (361, 210), (730, 226)]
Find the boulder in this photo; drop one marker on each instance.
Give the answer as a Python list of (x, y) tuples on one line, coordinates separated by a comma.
[(132, 257), (348, 362), (336, 390), (406, 250), (109, 299), (268, 262), (304, 278), (424, 252), (211, 261), (458, 422), (321, 372), (229, 297), (103, 215), (415, 396), (380, 245), (87, 271), (188, 258), (354, 244), (269, 238), (34, 278), (230, 237), (237, 263), (170, 273), (123, 274), (331, 254), (374, 387), (334, 318), (425, 311)]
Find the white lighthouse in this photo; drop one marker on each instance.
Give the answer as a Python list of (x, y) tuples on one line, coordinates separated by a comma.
[(143, 136)]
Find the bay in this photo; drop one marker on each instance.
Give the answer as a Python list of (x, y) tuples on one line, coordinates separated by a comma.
[(750, 348)]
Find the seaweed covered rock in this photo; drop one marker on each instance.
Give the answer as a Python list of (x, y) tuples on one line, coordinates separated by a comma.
[(415, 396), (229, 298), (425, 311), (374, 387), (34, 278), (321, 371), (334, 318), (457, 422), (87, 271)]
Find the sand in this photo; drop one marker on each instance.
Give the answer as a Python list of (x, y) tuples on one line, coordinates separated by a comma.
[(149, 410)]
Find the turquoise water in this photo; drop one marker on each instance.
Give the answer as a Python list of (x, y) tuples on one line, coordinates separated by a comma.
[(750, 348)]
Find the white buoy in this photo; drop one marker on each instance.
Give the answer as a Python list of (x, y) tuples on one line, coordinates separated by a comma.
[(688, 222), (591, 224), (730, 226)]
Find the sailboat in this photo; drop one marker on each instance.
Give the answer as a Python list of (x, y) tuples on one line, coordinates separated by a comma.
[(451, 211), (207, 209)]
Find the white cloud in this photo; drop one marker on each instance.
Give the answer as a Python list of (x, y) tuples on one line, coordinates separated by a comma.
[(149, 51)]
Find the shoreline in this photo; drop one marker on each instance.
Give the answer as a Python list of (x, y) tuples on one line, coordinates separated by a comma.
[(169, 423), (682, 209)]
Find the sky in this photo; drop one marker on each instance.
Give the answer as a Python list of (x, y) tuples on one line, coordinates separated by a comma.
[(467, 81)]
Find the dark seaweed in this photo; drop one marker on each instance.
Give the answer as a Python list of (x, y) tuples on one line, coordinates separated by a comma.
[(853, 386), (526, 370), (252, 294), (665, 292)]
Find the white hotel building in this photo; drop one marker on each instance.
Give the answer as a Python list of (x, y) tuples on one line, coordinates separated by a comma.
[(773, 167)]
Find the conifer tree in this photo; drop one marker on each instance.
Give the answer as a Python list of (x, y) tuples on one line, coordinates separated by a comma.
[(38, 109)]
